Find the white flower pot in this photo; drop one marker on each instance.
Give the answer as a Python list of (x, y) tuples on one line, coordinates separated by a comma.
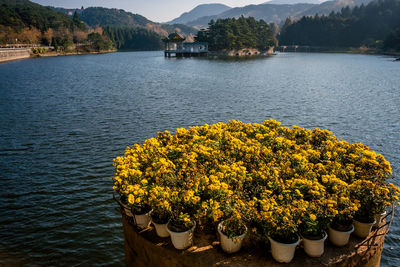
[(143, 220), (230, 245), (127, 210), (282, 252), (161, 229), (362, 229), (314, 248), (182, 240), (339, 238), (378, 219)]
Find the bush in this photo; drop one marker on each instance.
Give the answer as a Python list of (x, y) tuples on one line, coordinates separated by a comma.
[(276, 179)]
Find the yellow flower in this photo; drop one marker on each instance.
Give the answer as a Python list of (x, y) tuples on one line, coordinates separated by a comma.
[(131, 199), (313, 217)]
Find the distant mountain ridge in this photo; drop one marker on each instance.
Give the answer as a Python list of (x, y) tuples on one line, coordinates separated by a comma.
[(267, 12), (200, 11), (274, 12), (100, 16), (329, 6), (293, 2)]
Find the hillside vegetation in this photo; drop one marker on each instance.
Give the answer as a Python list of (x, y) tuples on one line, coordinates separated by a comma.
[(130, 31), (374, 25), (236, 34), (24, 22), (276, 11), (129, 38)]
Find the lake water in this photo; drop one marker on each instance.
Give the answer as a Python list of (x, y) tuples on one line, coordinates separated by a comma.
[(64, 119)]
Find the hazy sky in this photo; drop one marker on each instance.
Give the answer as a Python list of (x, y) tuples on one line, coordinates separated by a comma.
[(155, 10)]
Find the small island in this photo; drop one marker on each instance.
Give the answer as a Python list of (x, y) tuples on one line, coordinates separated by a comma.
[(238, 37), (225, 37)]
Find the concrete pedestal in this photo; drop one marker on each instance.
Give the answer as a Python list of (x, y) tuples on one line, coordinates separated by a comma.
[(145, 248)]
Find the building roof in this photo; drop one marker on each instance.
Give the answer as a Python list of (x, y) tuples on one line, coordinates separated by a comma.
[(174, 37)]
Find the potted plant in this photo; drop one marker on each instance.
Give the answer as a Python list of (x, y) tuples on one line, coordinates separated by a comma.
[(232, 232), (342, 209), (127, 207), (181, 228), (280, 222), (367, 194), (161, 209), (283, 245), (388, 195), (181, 225), (313, 233), (141, 209)]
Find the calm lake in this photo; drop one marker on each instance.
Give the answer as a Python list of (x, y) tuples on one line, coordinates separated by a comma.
[(64, 119)]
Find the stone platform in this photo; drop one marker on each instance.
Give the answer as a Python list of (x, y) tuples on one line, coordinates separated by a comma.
[(145, 248)]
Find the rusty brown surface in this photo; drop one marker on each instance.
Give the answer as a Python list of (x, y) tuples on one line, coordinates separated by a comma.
[(145, 248)]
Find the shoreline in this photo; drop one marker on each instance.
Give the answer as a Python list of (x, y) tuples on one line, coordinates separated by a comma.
[(29, 54), (342, 50), (213, 54), (59, 54)]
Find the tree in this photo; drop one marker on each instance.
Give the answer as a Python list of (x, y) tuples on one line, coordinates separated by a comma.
[(365, 25), (392, 41), (236, 34)]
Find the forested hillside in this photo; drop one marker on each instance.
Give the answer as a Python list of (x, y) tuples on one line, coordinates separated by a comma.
[(129, 38), (374, 25), (99, 16), (237, 34), (24, 22), (20, 14), (130, 31)]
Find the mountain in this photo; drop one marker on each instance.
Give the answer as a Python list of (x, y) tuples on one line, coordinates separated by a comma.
[(24, 22), (23, 13), (292, 2), (100, 16), (329, 6), (266, 12), (277, 10), (200, 11), (376, 25)]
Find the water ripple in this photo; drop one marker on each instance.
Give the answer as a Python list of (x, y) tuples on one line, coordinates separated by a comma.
[(63, 120)]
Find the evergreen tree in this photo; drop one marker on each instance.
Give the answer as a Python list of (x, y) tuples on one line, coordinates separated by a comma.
[(366, 25), (231, 33)]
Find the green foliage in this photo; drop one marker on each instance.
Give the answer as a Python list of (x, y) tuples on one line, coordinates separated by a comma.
[(26, 22), (361, 26), (98, 42), (99, 16), (392, 41), (184, 29), (23, 13), (237, 34), (78, 22), (38, 50), (129, 38)]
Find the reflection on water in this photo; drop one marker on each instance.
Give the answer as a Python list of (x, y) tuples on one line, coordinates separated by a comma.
[(64, 119)]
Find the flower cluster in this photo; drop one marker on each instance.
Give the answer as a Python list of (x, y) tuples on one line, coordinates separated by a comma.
[(278, 180)]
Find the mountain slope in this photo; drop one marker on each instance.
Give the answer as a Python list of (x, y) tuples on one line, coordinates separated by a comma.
[(292, 2), (329, 6), (200, 11), (367, 26), (99, 16), (24, 22), (279, 12), (23, 13), (266, 12)]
